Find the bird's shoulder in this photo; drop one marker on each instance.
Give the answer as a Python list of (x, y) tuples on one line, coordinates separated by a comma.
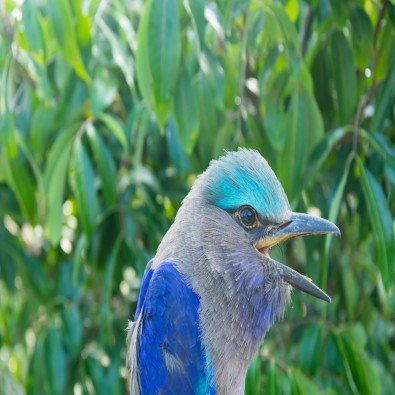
[(169, 340)]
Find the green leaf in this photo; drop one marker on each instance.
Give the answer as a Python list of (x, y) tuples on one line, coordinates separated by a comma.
[(350, 287), (288, 29), (253, 378), (84, 188), (303, 129), (363, 372), (303, 385), (31, 271), (381, 145), (62, 21), (20, 180), (276, 122), (186, 112), (176, 153), (309, 348), (104, 161), (54, 182), (143, 72), (36, 373), (195, 9), (116, 128), (108, 281), (385, 100), (41, 128), (321, 72), (163, 53), (322, 151), (120, 55), (102, 91), (214, 75), (361, 37), (224, 140), (8, 129), (55, 362), (139, 120), (334, 209), (30, 19), (385, 54), (208, 117), (272, 385), (343, 76), (381, 221), (72, 330)]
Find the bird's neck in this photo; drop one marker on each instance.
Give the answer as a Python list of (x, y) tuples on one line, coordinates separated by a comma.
[(239, 298)]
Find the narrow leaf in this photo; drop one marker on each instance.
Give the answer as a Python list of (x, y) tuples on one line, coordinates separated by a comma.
[(163, 53), (144, 78), (361, 36), (115, 127), (61, 17), (54, 182), (105, 163), (55, 362), (381, 221), (186, 112), (344, 76), (195, 9), (303, 129), (84, 188)]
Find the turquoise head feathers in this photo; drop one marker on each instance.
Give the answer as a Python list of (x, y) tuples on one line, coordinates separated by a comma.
[(243, 178)]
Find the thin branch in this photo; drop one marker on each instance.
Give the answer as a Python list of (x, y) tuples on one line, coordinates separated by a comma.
[(365, 100)]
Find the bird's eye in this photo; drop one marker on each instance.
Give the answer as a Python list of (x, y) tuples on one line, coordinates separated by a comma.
[(247, 217)]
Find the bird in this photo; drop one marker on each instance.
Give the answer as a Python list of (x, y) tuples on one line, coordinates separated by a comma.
[(212, 291)]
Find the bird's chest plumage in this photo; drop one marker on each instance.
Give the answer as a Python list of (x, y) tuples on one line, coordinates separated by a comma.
[(234, 321)]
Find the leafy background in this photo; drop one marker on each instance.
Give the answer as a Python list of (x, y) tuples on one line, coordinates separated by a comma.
[(108, 111)]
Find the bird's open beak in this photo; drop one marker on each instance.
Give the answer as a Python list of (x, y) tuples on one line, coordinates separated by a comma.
[(298, 225)]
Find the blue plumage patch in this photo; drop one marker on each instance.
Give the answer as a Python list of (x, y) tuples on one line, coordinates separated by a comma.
[(171, 358), (245, 178)]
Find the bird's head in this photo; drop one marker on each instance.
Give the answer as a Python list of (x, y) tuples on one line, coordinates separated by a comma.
[(243, 186)]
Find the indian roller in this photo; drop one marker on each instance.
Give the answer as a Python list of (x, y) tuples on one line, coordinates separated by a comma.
[(212, 291)]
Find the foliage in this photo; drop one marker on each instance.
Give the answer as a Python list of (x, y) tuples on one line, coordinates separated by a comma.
[(108, 110)]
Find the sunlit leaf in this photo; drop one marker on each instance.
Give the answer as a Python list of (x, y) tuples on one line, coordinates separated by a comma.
[(61, 18), (163, 53), (303, 385), (30, 18), (361, 35)]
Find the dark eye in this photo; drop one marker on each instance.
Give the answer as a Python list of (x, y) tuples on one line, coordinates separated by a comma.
[(247, 217)]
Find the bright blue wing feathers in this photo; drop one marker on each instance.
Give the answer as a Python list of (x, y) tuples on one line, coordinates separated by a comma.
[(171, 358)]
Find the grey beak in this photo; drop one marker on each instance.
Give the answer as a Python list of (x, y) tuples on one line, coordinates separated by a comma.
[(299, 225), (303, 283), (304, 224)]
